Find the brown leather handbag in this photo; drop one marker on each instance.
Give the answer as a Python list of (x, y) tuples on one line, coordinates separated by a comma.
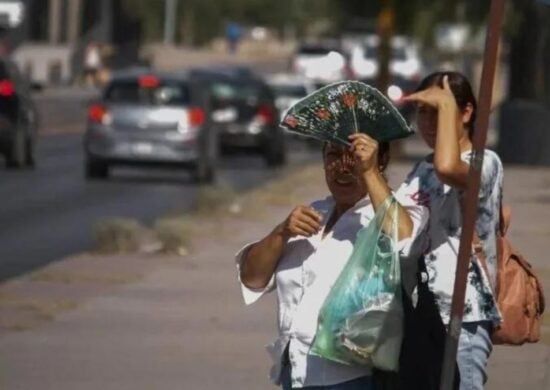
[(519, 293)]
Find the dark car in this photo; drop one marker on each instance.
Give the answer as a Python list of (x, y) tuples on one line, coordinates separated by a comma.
[(18, 123), (146, 118), (244, 112)]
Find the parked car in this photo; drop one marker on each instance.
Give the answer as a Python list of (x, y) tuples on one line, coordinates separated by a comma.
[(321, 63), (243, 112), (289, 89), (18, 118), (150, 119), (404, 62)]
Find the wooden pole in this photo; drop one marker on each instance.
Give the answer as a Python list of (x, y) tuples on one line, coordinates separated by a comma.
[(472, 192), (75, 21), (54, 22)]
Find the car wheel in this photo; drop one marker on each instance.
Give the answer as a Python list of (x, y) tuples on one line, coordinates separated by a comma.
[(96, 169), (29, 154), (203, 171), (16, 155), (275, 154)]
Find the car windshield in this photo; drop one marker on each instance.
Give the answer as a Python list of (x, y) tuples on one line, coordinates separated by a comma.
[(226, 93), (164, 94), (289, 90), (315, 50)]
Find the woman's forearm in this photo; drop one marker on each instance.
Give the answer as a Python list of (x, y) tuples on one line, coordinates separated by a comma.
[(260, 261), (448, 165), (378, 191)]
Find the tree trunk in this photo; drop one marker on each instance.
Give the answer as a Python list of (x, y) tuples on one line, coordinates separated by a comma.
[(523, 51)]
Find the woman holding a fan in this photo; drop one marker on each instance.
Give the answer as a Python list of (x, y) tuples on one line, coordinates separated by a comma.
[(304, 254)]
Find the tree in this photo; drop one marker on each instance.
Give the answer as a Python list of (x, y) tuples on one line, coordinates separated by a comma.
[(529, 38)]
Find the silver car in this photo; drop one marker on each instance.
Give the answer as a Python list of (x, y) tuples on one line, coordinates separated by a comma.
[(321, 63), (150, 119)]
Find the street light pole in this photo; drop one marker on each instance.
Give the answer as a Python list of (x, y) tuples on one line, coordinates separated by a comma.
[(170, 8), (469, 216)]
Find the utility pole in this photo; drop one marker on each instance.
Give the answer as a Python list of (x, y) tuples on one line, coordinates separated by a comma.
[(385, 27), (54, 22), (74, 20), (469, 216), (106, 12), (170, 9)]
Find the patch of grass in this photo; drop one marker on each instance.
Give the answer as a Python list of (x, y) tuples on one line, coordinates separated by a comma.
[(44, 310), (174, 235), (67, 277), (215, 199), (118, 235), (287, 191), (16, 327)]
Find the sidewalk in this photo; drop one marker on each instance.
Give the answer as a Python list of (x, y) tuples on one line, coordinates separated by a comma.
[(165, 322)]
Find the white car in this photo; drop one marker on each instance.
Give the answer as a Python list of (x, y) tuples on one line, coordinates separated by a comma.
[(322, 64), (289, 89), (405, 59)]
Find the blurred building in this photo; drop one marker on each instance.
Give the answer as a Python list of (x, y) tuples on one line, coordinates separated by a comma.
[(50, 41)]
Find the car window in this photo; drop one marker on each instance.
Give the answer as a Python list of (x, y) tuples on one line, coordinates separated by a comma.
[(226, 93), (398, 53), (289, 90), (315, 50), (371, 52), (165, 94)]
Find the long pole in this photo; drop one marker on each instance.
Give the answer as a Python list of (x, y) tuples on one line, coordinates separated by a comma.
[(169, 21), (54, 22), (472, 192)]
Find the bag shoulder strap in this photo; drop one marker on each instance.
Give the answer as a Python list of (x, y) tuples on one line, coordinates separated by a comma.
[(505, 216), (477, 247)]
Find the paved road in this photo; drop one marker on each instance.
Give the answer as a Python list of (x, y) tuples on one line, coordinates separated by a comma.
[(50, 212)]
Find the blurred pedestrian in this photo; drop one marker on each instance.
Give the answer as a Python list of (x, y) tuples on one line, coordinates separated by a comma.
[(233, 33), (446, 112), (304, 255), (93, 64)]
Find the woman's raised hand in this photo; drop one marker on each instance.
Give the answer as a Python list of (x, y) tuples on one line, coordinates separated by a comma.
[(434, 96), (365, 151), (302, 221)]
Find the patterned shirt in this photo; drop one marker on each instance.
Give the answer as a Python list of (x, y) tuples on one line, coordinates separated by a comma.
[(440, 239)]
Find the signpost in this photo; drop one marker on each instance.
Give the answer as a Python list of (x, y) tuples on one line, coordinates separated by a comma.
[(472, 192)]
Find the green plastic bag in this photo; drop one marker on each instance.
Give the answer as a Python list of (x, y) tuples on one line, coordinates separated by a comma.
[(361, 321)]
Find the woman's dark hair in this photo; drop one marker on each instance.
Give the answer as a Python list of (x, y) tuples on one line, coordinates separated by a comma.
[(383, 154), (462, 91)]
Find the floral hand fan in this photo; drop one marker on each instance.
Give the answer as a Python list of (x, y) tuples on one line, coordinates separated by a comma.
[(338, 110)]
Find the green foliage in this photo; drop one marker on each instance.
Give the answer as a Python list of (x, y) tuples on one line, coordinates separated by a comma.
[(201, 20)]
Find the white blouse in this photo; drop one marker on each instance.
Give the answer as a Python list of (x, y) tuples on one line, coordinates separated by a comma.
[(303, 278)]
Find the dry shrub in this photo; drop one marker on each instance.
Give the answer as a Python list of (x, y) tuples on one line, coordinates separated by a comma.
[(118, 235)]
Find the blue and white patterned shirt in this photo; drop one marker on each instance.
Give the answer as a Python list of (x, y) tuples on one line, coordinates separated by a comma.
[(440, 239)]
